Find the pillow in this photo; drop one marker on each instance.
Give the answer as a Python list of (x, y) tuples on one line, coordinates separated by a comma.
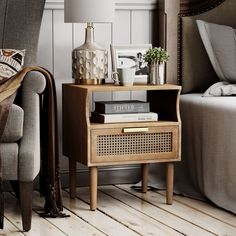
[(11, 62), (220, 89), (220, 44)]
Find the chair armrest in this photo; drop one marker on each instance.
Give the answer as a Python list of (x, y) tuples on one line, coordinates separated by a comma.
[(29, 148)]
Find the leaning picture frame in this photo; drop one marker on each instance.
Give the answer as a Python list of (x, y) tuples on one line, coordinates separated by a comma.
[(123, 56)]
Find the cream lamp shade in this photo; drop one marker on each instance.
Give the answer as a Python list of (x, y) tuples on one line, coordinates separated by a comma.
[(89, 61), (83, 11)]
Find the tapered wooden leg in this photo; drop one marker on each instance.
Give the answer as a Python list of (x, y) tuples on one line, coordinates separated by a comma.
[(26, 190), (72, 176), (144, 177), (93, 187), (169, 182)]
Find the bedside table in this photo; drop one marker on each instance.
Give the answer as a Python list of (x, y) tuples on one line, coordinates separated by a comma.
[(95, 144)]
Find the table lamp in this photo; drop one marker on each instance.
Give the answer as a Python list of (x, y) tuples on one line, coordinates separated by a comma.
[(89, 61)]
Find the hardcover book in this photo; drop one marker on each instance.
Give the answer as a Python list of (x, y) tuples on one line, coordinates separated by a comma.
[(124, 106), (118, 118)]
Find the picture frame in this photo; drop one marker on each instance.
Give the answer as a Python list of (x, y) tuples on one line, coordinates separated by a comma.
[(128, 56)]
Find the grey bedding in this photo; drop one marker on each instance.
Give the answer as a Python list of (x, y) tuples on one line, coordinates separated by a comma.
[(208, 166), (209, 148)]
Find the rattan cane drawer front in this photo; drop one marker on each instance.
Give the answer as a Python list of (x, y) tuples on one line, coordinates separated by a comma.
[(113, 145)]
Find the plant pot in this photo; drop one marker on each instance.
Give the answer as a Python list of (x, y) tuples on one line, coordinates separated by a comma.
[(157, 73)]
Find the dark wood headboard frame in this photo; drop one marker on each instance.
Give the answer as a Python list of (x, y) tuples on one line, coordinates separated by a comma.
[(191, 8), (196, 7)]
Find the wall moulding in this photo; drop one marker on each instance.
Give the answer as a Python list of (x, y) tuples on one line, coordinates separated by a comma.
[(120, 4)]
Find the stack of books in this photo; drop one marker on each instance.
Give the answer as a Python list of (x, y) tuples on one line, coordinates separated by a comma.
[(123, 111)]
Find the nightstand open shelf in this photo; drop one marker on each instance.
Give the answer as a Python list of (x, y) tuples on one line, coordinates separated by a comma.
[(96, 144)]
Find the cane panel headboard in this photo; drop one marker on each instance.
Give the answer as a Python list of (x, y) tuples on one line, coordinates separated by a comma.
[(195, 72)]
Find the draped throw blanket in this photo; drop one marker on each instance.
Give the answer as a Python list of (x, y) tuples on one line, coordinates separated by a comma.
[(49, 177)]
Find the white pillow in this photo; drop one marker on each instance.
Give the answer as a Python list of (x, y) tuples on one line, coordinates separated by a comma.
[(220, 44), (220, 89)]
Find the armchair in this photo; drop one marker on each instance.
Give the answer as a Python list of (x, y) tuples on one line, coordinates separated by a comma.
[(20, 22)]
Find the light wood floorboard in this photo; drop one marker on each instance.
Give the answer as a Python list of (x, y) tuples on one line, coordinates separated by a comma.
[(72, 225), (207, 208), (98, 219), (187, 213), (10, 229), (40, 226), (126, 215), (156, 213), (123, 211)]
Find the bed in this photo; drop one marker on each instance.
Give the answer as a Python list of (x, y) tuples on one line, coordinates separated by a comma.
[(208, 162)]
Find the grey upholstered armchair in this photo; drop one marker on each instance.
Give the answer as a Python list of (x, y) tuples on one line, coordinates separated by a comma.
[(20, 22)]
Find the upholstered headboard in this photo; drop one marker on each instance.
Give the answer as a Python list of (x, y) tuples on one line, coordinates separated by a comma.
[(195, 72)]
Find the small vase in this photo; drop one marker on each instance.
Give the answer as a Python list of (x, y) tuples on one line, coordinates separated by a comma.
[(156, 73)]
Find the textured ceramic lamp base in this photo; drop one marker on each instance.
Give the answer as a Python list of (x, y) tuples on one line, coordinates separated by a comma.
[(89, 66)]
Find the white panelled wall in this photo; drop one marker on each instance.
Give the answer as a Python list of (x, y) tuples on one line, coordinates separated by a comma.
[(133, 25)]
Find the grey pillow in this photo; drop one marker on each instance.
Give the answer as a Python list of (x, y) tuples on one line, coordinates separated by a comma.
[(220, 44)]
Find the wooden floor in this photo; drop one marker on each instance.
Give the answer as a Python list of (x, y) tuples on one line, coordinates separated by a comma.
[(124, 211)]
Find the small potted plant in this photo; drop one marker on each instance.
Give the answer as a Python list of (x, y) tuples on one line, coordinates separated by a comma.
[(156, 58)]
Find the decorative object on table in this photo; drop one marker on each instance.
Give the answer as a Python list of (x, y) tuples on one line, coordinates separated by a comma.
[(121, 106), (122, 111), (127, 56), (156, 58), (89, 61), (126, 75)]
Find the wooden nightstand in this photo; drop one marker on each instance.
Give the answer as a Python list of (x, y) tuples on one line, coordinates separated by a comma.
[(94, 144)]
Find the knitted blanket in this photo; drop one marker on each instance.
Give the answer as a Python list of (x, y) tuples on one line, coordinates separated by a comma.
[(49, 176)]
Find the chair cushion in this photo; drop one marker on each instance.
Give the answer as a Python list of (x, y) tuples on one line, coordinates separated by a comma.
[(9, 156), (14, 126)]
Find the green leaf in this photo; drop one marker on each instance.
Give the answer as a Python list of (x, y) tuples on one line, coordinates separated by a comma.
[(156, 54)]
